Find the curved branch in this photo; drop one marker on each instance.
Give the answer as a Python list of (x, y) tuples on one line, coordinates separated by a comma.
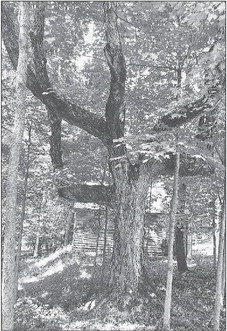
[(66, 110), (84, 193)]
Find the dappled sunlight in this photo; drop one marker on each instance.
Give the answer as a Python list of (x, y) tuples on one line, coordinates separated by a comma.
[(20, 287), (93, 325), (58, 267), (84, 274), (203, 248), (166, 261), (51, 257), (28, 279), (44, 294)]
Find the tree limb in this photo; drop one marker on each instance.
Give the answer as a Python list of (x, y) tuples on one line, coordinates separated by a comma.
[(186, 114), (84, 193), (65, 109), (105, 195), (189, 166)]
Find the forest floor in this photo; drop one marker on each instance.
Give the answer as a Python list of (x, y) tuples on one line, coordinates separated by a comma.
[(58, 293)]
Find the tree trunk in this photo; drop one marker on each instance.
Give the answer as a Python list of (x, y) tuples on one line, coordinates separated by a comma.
[(73, 232), (69, 224), (189, 245), (218, 296), (168, 298), (180, 249), (19, 243), (105, 241), (214, 230), (37, 251), (98, 238), (223, 289), (8, 283), (129, 209), (179, 231), (37, 242), (214, 243)]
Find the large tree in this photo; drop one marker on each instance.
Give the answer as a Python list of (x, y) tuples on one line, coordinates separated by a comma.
[(131, 180)]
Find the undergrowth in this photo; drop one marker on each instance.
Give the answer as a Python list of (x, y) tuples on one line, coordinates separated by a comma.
[(64, 293)]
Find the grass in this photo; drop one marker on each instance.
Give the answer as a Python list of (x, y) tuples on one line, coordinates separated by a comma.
[(58, 293)]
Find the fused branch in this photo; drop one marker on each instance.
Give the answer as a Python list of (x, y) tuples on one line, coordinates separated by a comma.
[(65, 109), (84, 193)]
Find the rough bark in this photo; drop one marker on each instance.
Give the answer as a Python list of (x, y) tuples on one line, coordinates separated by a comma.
[(21, 225), (126, 265), (8, 283), (115, 106), (218, 295), (131, 182), (168, 298)]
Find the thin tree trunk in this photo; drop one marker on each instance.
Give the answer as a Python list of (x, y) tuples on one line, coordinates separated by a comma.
[(223, 291), (179, 231), (69, 223), (147, 242), (74, 229), (37, 242), (186, 244), (19, 243), (168, 298), (180, 249), (40, 226), (8, 283), (218, 296), (189, 245), (214, 243), (98, 237), (214, 230), (105, 241)]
